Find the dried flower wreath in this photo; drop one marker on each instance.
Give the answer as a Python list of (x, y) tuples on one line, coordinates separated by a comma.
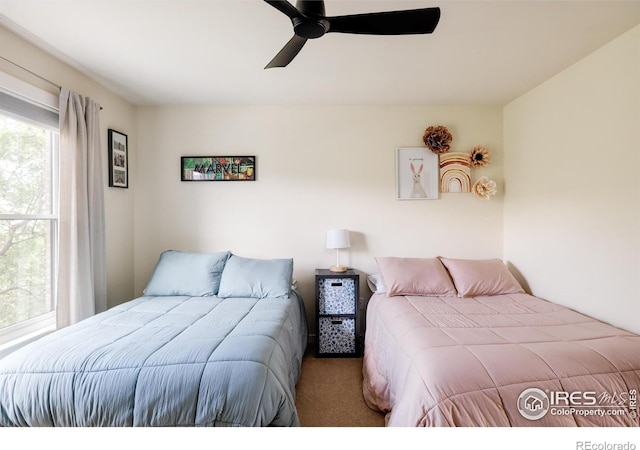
[(480, 156), (437, 139), (484, 188)]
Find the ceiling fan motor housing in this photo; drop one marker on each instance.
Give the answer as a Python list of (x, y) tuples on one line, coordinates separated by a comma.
[(310, 28)]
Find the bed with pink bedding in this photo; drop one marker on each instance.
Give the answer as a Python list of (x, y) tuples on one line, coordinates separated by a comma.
[(458, 343)]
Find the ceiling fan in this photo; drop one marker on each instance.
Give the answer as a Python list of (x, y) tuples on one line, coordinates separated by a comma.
[(309, 22)]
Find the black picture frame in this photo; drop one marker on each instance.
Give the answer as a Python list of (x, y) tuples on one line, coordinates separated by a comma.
[(218, 168), (118, 159)]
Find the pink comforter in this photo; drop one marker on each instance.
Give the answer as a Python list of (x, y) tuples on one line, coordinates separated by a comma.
[(507, 360)]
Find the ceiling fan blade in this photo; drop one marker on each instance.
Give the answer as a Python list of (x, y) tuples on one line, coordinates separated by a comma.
[(414, 21), (288, 52), (284, 7)]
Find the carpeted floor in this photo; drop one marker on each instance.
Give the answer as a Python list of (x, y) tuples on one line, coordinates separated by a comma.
[(329, 394)]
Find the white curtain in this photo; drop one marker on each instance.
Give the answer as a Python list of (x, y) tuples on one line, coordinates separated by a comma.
[(82, 286)]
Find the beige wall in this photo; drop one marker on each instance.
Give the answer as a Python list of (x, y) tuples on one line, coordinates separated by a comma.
[(572, 185), (117, 113), (317, 168), (570, 193)]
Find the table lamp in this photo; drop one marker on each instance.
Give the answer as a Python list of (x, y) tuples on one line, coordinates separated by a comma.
[(338, 238)]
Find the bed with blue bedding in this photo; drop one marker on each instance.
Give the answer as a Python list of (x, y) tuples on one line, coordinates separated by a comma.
[(229, 356)]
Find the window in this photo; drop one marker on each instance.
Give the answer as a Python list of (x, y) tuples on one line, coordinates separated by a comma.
[(28, 209)]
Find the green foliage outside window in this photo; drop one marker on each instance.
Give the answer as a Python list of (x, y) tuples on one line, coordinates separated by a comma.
[(25, 236)]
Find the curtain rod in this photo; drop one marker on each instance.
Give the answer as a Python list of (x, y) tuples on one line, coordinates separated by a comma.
[(33, 73)]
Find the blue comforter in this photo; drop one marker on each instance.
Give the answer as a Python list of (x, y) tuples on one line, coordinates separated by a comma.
[(163, 361)]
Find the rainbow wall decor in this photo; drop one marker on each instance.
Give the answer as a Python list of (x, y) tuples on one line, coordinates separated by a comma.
[(455, 172)]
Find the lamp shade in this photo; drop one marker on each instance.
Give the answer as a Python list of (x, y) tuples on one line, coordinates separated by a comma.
[(338, 238)]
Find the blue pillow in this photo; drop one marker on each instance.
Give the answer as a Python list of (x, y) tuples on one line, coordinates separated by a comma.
[(183, 273), (256, 278)]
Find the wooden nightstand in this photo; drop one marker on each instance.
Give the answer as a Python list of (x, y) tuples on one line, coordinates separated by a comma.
[(337, 314)]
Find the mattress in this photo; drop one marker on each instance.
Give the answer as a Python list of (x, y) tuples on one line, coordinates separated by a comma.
[(163, 361), (502, 360)]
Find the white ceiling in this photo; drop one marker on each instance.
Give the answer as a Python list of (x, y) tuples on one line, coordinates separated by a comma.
[(214, 51)]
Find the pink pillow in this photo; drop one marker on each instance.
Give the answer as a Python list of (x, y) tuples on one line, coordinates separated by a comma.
[(415, 276), (481, 277)]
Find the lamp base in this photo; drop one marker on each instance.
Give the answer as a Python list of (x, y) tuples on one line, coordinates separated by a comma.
[(338, 268)]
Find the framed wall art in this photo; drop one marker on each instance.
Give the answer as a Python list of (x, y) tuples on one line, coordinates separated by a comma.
[(118, 159), (417, 175), (218, 168), (455, 172)]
